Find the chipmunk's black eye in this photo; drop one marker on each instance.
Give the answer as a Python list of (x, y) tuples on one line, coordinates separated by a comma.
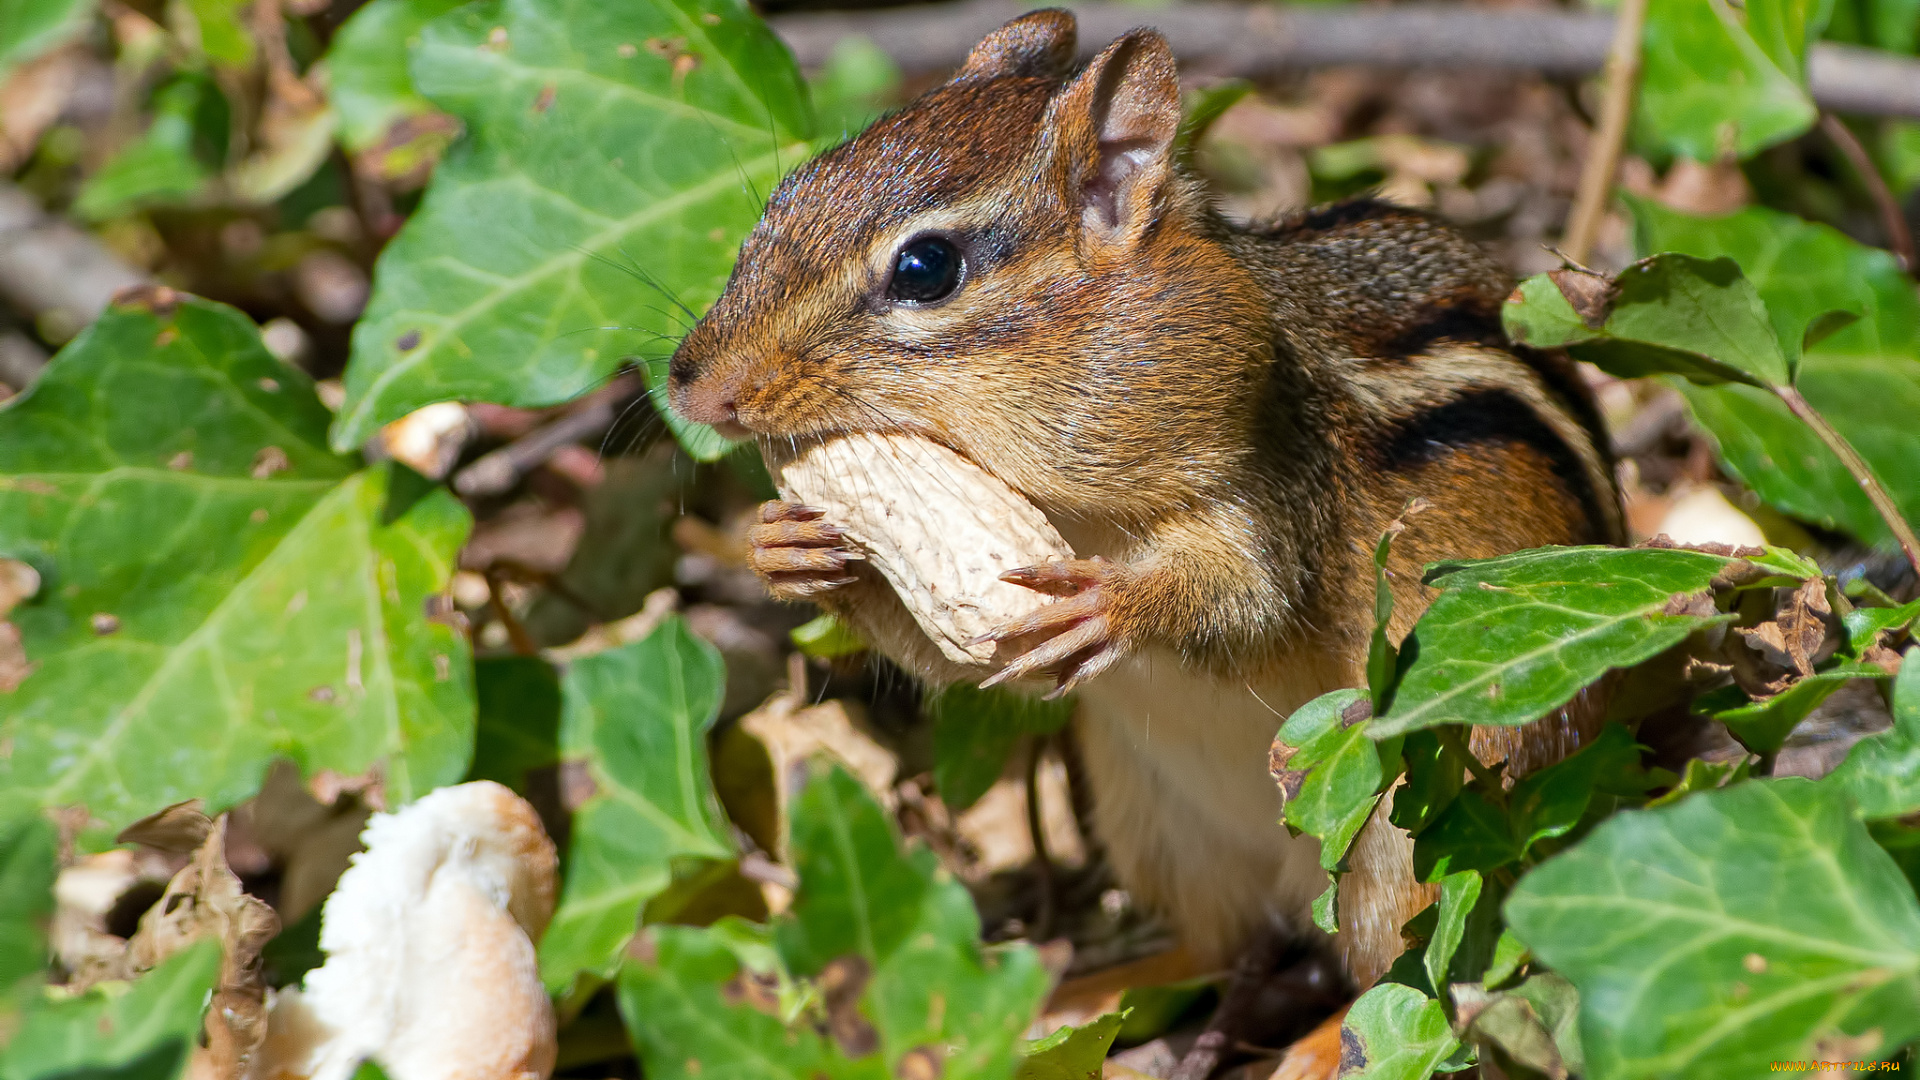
[(925, 270)]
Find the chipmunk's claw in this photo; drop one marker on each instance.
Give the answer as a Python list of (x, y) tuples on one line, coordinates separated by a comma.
[(797, 554), (1079, 631)]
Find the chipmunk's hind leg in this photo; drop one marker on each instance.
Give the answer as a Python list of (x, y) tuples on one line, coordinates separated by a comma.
[(1280, 988)]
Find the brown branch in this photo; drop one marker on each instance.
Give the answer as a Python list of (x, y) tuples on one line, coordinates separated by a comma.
[(1892, 219), (517, 636), (497, 471), (1862, 472), (1268, 39), (1603, 149)]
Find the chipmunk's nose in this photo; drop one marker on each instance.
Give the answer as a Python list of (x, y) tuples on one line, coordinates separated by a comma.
[(712, 398)]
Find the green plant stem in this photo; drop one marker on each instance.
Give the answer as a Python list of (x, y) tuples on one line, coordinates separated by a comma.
[(1451, 739), (1855, 464)]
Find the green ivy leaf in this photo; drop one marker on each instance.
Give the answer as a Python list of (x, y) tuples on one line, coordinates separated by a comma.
[(1072, 1053), (367, 81), (1509, 640), (29, 28), (1763, 726), (220, 590), (1704, 776), (859, 82), (1536, 1023), (1394, 1032), (1900, 141), (1459, 897), (1708, 88), (975, 730), (1865, 626), (1152, 1011), (1436, 771), (1865, 378), (161, 166), (1551, 802), (1202, 109), (1508, 955), (1677, 314), (1383, 658), (1731, 929), (897, 940), (29, 861), (1331, 775), (613, 152), (827, 637), (638, 716), (518, 726), (1470, 834), (144, 1033), (1882, 772)]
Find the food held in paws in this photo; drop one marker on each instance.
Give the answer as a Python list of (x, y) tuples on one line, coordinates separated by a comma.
[(940, 529)]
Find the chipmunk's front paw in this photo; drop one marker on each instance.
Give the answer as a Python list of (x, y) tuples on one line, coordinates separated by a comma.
[(1084, 632), (798, 555)]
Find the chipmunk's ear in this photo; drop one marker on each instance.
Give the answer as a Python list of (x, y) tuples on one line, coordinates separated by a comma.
[(1038, 45), (1112, 132)]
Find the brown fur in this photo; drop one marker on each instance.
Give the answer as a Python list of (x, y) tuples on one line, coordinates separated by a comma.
[(1229, 416)]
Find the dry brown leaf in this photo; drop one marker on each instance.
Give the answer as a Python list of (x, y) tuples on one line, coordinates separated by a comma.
[(84, 895), (180, 829), (995, 827), (792, 735), (31, 99), (205, 900), (1796, 638), (311, 840)]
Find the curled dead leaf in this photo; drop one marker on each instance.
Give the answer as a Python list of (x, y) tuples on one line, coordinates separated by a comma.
[(1589, 294), (206, 900)]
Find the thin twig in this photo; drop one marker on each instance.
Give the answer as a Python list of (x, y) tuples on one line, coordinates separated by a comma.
[(497, 471), (1862, 472), (1240, 999), (1451, 738), (517, 636), (1260, 40), (1899, 237), (1603, 150), (1037, 829)]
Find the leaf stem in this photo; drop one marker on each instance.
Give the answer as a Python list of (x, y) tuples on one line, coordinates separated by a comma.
[(1449, 737), (1892, 219), (1855, 464), (1603, 149)]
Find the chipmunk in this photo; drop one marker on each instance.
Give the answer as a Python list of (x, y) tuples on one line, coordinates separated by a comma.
[(1220, 419)]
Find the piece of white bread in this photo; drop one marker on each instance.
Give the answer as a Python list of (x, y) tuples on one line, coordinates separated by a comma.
[(429, 939), (940, 529)]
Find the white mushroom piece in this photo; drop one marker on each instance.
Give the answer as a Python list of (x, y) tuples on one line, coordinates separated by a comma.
[(429, 939)]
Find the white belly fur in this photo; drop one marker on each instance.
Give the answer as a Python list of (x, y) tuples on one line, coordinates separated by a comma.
[(1183, 800)]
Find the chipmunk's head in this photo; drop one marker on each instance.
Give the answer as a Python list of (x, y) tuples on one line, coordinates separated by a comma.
[(1015, 265)]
